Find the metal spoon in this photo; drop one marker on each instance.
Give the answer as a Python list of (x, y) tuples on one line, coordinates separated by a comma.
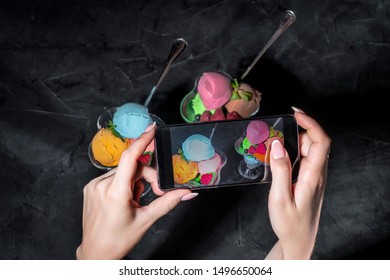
[(288, 17), (179, 45)]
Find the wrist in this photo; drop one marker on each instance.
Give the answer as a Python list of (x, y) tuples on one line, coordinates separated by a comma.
[(297, 250)]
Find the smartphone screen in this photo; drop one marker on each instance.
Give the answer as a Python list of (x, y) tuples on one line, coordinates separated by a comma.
[(222, 153)]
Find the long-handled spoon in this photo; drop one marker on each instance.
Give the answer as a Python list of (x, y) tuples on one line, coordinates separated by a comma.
[(288, 17), (179, 45)]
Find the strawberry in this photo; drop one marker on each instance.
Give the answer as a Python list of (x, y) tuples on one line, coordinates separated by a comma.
[(218, 115), (233, 115), (146, 158)]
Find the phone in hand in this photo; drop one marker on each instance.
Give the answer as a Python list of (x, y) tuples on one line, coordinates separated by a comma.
[(223, 153)]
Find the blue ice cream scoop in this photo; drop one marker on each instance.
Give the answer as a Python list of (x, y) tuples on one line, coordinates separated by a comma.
[(198, 147), (251, 161), (131, 120)]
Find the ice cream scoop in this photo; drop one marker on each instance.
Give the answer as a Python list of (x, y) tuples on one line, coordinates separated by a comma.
[(131, 119), (198, 147), (214, 89), (107, 148), (210, 165), (183, 170), (257, 132), (251, 161), (247, 106), (274, 135)]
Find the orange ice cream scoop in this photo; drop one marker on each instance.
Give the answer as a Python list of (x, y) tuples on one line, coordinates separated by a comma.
[(183, 171), (107, 148)]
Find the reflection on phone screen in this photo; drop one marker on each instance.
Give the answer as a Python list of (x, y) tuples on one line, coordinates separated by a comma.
[(223, 153)]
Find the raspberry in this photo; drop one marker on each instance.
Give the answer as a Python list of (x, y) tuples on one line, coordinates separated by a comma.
[(261, 149), (252, 150), (205, 117), (218, 115), (206, 179), (233, 115)]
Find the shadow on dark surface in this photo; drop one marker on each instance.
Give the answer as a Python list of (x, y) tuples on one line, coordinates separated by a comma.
[(166, 104), (378, 251), (279, 87)]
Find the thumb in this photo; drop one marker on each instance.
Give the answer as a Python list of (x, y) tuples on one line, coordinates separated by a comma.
[(165, 203), (281, 190)]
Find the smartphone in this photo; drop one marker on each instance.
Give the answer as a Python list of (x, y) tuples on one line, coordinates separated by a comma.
[(222, 153)]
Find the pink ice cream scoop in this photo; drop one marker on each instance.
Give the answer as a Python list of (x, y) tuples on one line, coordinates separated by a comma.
[(210, 165), (257, 132), (215, 89)]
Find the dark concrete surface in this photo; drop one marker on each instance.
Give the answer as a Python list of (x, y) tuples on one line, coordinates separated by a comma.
[(63, 62)]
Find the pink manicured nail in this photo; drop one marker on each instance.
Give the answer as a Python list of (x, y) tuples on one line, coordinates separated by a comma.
[(150, 127), (277, 150), (297, 110), (189, 196)]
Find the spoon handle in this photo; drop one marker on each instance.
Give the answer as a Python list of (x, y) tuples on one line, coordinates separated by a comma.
[(179, 45), (288, 17)]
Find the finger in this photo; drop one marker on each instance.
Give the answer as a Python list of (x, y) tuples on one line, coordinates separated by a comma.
[(320, 142), (150, 176), (85, 205), (315, 132), (305, 143), (162, 205), (315, 145), (281, 190), (128, 163)]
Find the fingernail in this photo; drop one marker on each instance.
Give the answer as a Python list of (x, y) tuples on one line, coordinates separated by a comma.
[(150, 127), (277, 150), (297, 110), (189, 196)]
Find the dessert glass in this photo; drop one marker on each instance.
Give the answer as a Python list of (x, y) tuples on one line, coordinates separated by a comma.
[(186, 110), (102, 122), (249, 167)]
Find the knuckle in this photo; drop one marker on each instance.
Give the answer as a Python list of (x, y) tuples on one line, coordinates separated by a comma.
[(85, 189), (326, 141), (100, 184), (126, 153), (171, 206), (282, 169), (279, 200), (130, 153)]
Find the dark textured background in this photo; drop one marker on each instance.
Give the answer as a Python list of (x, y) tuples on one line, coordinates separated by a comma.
[(63, 62)]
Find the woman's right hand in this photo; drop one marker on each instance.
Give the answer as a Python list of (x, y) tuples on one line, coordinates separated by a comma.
[(295, 209)]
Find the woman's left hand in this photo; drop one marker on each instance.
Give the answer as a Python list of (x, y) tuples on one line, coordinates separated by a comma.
[(113, 220)]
